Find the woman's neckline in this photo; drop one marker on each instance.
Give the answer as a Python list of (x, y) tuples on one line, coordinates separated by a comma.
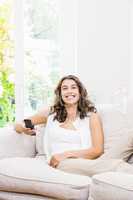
[(70, 129)]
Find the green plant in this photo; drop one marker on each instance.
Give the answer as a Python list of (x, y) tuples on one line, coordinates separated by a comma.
[(7, 102), (7, 96)]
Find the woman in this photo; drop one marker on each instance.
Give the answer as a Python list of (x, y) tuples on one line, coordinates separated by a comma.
[(73, 126)]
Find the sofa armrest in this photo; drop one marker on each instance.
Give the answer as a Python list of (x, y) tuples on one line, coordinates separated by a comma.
[(112, 185), (13, 144)]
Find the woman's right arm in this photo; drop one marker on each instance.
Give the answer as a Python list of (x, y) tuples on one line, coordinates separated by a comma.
[(39, 118)]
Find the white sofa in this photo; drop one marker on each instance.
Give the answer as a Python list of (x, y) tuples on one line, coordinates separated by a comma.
[(25, 175)]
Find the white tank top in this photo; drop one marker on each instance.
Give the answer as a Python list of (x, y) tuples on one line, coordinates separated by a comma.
[(58, 139)]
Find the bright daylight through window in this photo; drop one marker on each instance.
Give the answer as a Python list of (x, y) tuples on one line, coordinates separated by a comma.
[(36, 57), (41, 53), (7, 94)]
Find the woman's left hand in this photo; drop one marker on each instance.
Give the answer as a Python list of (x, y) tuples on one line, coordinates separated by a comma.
[(57, 158)]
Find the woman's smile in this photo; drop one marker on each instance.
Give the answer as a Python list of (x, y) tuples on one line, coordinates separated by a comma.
[(69, 91)]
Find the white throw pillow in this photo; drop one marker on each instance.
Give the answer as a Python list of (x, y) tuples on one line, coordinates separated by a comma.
[(117, 132)]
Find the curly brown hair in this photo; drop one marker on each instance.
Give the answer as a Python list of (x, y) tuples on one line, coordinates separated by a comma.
[(84, 104)]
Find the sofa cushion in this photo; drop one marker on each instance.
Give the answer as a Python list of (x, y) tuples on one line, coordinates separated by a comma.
[(13, 144), (130, 159), (112, 186), (30, 175), (128, 153), (120, 147), (22, 196), (118, 132), (125, 167), (40, 132)]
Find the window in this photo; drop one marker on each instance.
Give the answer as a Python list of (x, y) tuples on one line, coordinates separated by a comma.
[(40, 46), (45, 50), (37, 54), (41, 53)]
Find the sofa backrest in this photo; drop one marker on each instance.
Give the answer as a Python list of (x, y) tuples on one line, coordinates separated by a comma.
[(13, 144), (118, 132), (118, 128)]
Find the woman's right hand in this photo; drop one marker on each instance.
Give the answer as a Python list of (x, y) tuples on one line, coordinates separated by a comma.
[(39, 118), (20, 128)]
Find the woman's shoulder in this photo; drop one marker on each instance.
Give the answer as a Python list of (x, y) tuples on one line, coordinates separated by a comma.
[(50, 121), (91, 116), (94, 115), (51, 115), (95, 118)]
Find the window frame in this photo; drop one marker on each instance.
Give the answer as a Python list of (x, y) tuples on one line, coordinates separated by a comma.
[(19, 59)]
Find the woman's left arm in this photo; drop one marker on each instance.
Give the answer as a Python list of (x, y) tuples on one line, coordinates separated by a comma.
[(97, 136)]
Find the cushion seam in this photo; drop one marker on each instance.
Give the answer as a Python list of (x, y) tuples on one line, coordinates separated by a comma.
[(96, 181), (43, 181)]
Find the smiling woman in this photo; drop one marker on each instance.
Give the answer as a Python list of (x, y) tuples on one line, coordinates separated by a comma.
[(70, 91), (72, 111), (73, 126)]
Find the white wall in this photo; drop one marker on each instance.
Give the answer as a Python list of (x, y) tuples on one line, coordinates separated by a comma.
[(103, 47), (131, 45), (68, 35), (95, 45)]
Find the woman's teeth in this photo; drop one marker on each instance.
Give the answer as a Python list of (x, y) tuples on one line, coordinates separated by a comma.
[(70, 96)]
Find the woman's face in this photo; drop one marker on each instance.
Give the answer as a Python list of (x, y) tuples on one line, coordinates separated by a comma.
[(70, 92)]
